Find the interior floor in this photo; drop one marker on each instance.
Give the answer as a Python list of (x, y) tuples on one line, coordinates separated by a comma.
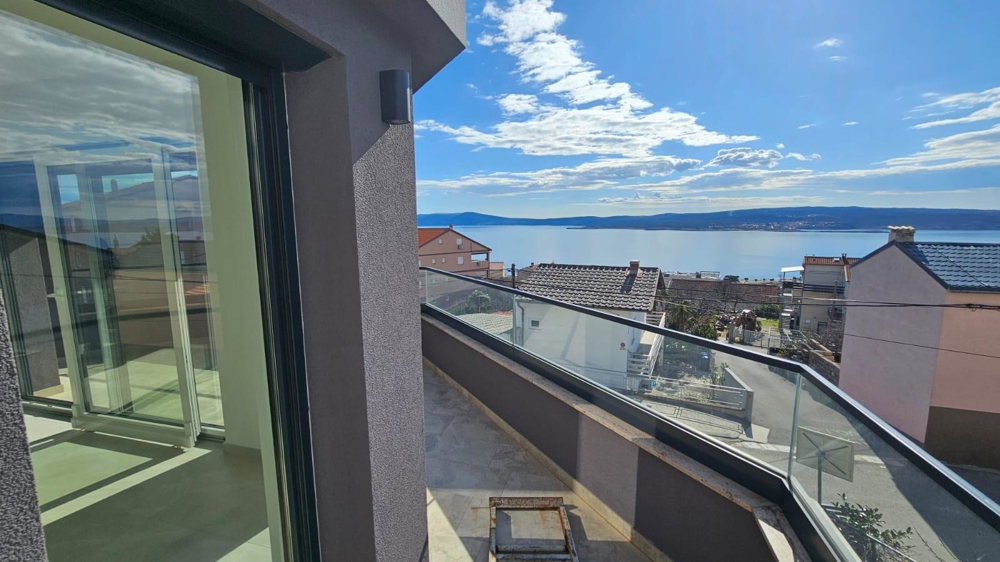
[(105, 497)]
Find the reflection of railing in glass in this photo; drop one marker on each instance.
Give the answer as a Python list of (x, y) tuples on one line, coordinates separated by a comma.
[(949, 519)]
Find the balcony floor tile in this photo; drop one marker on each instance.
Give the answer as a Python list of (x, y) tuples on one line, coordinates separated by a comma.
[(469, 459)]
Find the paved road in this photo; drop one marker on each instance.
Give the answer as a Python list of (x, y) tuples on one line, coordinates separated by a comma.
[(943, 529)]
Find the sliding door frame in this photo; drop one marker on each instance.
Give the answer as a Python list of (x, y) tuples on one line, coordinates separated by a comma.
[(190, 28)]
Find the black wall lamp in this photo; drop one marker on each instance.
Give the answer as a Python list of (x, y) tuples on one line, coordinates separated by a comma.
[(397, 97)]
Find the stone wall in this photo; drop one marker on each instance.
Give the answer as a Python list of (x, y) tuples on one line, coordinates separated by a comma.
[(825, 366)]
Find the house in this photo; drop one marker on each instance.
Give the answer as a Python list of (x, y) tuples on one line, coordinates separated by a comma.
[(823, 278), (931, 370), (609, 353), (449, 250)]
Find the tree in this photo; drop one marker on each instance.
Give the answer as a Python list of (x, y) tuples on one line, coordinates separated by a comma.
[(772, 311), (680, 318), (480, 299), (861, 522), (705, 329)]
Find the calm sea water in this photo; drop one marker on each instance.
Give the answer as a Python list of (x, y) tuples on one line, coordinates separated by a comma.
[(753, 254)]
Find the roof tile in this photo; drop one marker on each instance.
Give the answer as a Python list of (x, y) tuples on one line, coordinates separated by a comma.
[(960, 266), (596, 286)]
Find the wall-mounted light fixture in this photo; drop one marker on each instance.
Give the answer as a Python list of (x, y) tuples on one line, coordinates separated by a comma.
[(397, 97)]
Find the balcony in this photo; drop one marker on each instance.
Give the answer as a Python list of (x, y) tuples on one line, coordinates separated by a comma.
[(713, 452)]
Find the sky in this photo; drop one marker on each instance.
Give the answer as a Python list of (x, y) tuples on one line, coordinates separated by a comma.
[(590, 107)]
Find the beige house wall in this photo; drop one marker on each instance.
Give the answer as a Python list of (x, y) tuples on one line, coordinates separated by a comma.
[(444, 252)]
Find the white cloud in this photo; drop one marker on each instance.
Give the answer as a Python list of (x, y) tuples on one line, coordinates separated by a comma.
[(809, 126), (831, 43), (512, 104), (603, 172), (802, 157), (965, 148), (656, 200), (959, 101), (60, 90), (943, 105), (886, 192), (850, 124), (984, 114), (588, 113), (838, 58), (746, 156), (780, 145)]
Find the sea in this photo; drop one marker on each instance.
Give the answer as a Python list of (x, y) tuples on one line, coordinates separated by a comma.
[(754, 254)]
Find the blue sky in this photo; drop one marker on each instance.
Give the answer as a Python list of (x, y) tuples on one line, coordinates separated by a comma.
[(589, 107)]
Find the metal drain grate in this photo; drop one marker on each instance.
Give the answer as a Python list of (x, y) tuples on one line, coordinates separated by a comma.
[(565, 551)]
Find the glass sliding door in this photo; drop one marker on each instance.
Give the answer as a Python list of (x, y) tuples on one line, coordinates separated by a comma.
[(128, 267), (120, 255)]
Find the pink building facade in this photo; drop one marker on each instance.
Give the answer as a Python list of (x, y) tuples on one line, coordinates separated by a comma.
[(932, 372)]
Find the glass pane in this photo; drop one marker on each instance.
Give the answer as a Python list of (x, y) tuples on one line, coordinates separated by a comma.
[(484, 307), (131, 297), (883, 506)]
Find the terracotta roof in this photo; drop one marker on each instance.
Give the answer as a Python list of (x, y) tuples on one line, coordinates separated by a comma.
[(425, 235), (822, 260), (596, 286)]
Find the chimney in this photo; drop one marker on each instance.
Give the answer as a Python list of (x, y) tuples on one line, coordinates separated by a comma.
[(633, 267), (901, 234)]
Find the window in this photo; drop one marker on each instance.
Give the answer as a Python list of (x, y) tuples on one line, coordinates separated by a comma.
[(440, 240), (535, 323), (461, 260), (112, 275), (444, 260), (458, 243), (433, 261)]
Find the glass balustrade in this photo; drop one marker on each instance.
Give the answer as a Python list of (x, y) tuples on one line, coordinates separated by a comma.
[(869, 497)]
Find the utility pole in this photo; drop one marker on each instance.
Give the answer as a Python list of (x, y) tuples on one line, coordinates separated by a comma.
[(513, 275)]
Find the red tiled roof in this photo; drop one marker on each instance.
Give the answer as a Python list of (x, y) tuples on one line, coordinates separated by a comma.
[(425, 235)]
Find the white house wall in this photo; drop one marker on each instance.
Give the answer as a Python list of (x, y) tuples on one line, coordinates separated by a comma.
[(586, 345)]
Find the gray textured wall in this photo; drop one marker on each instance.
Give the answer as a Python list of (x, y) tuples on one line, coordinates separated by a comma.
[(355, 207), (20, 524)]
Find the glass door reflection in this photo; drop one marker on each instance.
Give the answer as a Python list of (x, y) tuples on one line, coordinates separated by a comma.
[(124, 291)]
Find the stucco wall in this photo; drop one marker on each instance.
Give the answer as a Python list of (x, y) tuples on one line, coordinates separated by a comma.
[(355, 210), (966, 381), (895, 381), (20, 524)]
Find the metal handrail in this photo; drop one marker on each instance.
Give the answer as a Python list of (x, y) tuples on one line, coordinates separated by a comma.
[(985, 508)]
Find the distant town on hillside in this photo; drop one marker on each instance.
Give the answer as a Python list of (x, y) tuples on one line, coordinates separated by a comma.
[(778, 219)]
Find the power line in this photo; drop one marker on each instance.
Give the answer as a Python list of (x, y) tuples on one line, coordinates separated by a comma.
[(925, 346), (526, 286)]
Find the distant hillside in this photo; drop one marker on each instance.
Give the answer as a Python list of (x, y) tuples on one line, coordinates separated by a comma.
[(784, 219)]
